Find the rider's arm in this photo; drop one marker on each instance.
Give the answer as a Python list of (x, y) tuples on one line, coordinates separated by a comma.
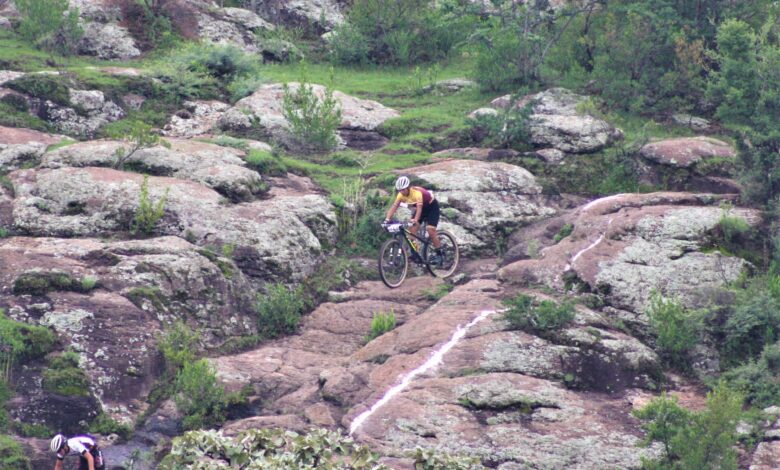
[(418, 214), (90, 460), (58, 465), (392, 210)]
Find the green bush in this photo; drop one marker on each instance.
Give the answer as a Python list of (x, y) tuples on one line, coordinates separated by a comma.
[(270, 448), (148, 213), (11, 117), (439, 292), (136, 134), (526, 313), (88, 283), (754, 319), (677, 330), (758, 379), (224, 62), (106, 425), (381, 323), (22, 342), (43, 86), (16, 102), (397, 32), (279, 311), (313, 120), (64, 377), (178, 345), (12, 455), (507, 129), (430, 459), (266, 163), (564, 232), (703, 439), (45, 24), (199, 397)]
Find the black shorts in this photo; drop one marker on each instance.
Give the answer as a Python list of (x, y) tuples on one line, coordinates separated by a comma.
[(430, 214), (97, 456)]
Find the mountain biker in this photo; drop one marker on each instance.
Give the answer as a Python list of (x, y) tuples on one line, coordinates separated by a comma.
[(90, 456), (425, 207)]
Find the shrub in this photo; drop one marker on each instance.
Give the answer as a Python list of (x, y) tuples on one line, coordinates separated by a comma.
[(381, 323), (507, 129), (430, 459), (12, 456), (266, 163), (64, 377), (279, 311), (313, 119), (20, 342), (270, 448), (564, 232), (439, 292), (677, 331), (754, 320), (17, 102), (690, 439), (43, 86), (199, 397), (106, 425), (757, 379), (137, 134), (732, 226), (88, 283), (148, 213), (45, 24), (525, 313), (176, 82), (224, 62), (178, 345)]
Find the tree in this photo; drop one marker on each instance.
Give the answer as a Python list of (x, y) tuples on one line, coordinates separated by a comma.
[(46, 24)]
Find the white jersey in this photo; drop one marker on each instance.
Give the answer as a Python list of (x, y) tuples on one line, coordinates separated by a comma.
[(77, 445)]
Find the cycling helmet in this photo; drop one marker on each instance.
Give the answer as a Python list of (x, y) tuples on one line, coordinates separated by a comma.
[(402, 183), (57, 442)]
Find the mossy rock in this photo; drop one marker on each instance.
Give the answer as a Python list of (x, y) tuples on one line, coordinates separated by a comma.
[(45, 87)]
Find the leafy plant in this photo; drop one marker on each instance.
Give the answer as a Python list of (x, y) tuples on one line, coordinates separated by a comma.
[(106, 425), (279, 311), (270, 448), (63, 376), (509, 128), (313, 117), (677, 330), (266, 163), (137, 134), (438, 292), (381, 323), (199, 396), (430, 459), (148, 212), (20, 342), (88, 283), (526, 313), (178, 345), (12, 456), (693, 439), (758, 379), (46, 24), (564, 232), (754, 319)]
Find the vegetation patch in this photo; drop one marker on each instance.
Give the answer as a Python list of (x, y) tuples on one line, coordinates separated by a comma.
[(42, 86), (64, 377), (381, 323), (279, 310), (106, 425), (12, 455), (526, 313), (138, 295), (677, 330), (23, 342)]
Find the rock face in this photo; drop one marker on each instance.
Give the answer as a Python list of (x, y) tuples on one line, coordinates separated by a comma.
[(201, 117), (108, 41), (479, 200), (556, 122), (219, 168), (628, 245), (232, 26), (90, 111), (317, 15), (263, 110), (496, 394), (690, 163), (99, 201), (137, 289)]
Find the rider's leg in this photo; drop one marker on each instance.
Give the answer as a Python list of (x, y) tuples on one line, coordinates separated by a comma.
[(434, 237)]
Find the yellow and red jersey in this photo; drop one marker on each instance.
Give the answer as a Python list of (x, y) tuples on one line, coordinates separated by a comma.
[(417, 195)]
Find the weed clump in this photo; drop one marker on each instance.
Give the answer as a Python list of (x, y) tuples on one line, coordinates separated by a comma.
[(381, 323), (279, 311), (526, 313), (64, 377), (313, 119)]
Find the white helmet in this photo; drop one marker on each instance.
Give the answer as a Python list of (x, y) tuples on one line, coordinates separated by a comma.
[(57, 442), (402, 183)]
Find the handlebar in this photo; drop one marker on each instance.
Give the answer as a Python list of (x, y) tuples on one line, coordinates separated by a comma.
[(395, 225)]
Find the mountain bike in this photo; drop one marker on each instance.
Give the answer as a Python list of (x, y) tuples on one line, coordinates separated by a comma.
[(395, 254)]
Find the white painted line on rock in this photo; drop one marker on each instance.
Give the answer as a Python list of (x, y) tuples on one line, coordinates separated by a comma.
[(593, 203), (590, 247), (433, 361)]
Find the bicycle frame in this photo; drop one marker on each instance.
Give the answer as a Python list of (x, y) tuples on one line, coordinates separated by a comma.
[(424, 240)]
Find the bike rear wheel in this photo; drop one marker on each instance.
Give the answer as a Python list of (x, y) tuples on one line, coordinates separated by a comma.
[(393, 263), (450, 256)]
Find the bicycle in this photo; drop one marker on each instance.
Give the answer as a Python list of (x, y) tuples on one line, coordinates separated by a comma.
[(394, 255)]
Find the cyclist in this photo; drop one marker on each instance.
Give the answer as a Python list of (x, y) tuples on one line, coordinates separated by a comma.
[(424, 206), (90, 456)]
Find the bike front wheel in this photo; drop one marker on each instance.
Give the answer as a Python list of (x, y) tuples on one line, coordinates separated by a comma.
[(447, 263), (393, 263)]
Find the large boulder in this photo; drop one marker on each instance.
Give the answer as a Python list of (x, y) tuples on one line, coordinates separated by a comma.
[(316, 15), (556, 121), (690, 163), (480, 201), (89, 111), (197, 118), (108, 41), (100, 201), (220, 168), (109, 301), (629, 245), (236, 26), (263, 111)]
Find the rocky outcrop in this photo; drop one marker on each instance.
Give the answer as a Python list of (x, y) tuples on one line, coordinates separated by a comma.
[(479, 200), (100, 201), (690, 163), (626, 246), (197, 118), (557, 122), (89, 110), (262, 111), (318, 16), (236, 26), (219, 168), (108, 41), (109, 301)]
